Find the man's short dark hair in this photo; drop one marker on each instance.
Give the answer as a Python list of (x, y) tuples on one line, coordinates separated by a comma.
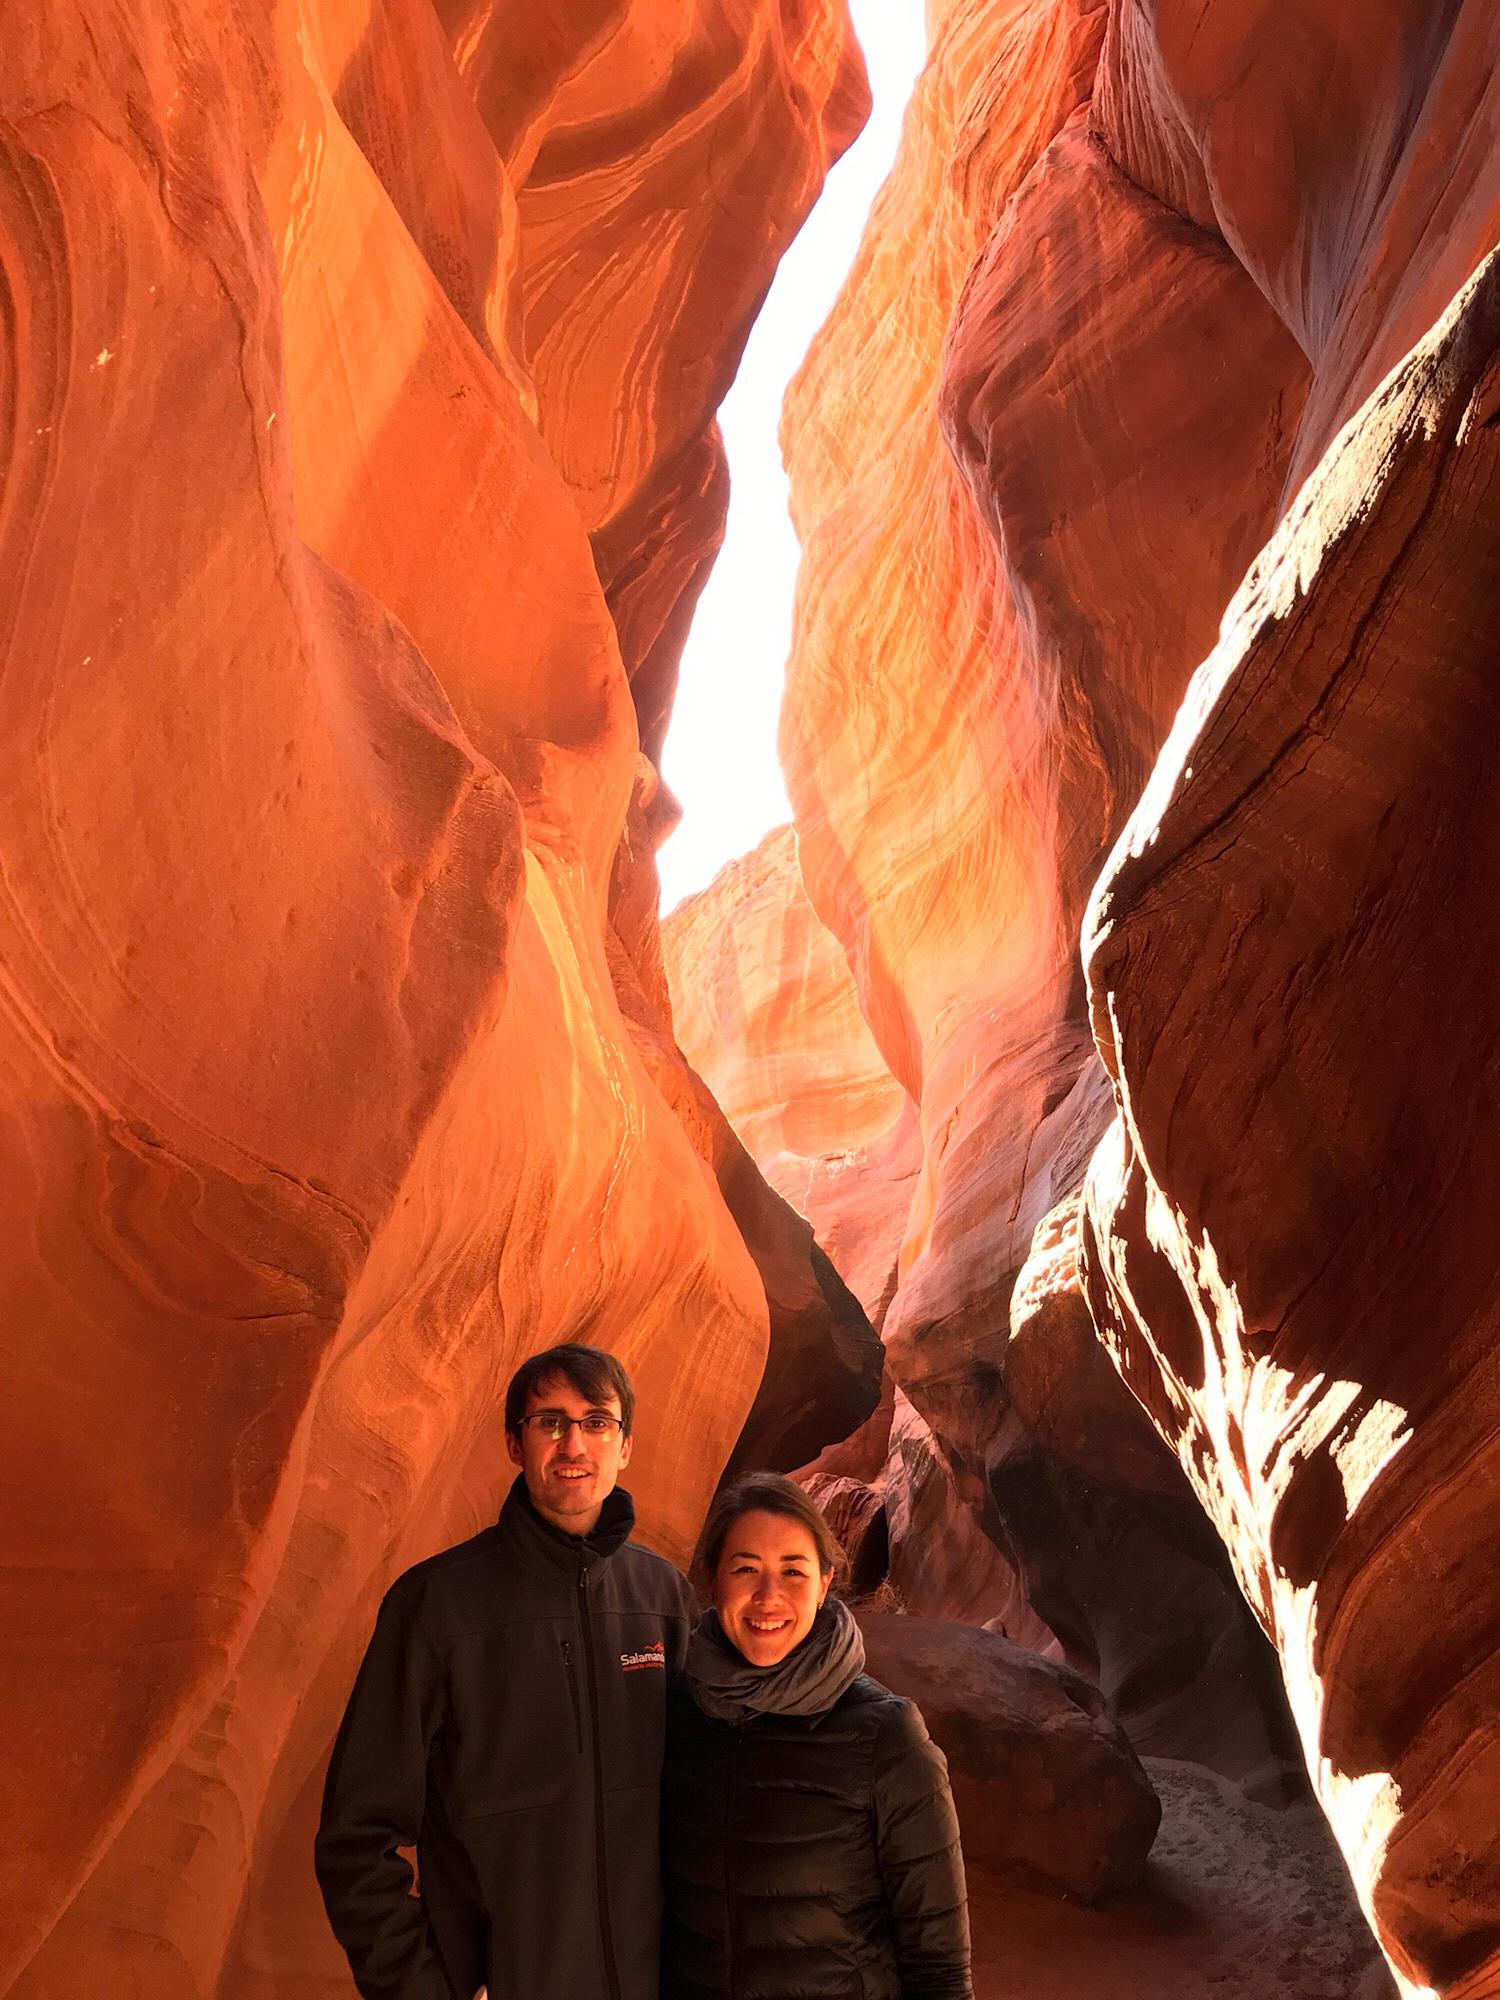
[(589, 1370)]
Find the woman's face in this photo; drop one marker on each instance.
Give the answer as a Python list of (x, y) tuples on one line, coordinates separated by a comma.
[(767, 1586)]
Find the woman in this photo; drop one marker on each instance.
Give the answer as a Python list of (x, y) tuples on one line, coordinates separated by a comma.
[(810, 1845)]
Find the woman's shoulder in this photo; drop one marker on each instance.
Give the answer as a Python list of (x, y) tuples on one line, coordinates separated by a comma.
[(877, 1704), (892, 1721), (871, 1693), (864, 1691)]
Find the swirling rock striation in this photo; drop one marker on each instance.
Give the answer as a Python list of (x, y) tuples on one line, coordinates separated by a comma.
[(330, 657)]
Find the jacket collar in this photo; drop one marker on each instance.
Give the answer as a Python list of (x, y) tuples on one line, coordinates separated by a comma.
[(548, 1549)]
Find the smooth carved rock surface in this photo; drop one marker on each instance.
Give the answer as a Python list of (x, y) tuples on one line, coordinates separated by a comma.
[(326, 1094), (764, 1008), (1316, 855), (1032, 453), (823, 1370), (1101, 334), (1046, 1784), (1003, 451), (943, 1563), (896, 1505), (968, 717)]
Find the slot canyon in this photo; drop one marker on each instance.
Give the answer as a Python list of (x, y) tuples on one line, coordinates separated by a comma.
[(1065, 1147)]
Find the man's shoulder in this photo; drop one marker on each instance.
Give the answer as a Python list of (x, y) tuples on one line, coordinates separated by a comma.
[(448, 1572), (644, 1558), (641, 1568)]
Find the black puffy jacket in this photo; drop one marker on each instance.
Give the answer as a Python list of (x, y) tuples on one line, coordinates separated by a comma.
[(508, 1722), (811, 1858)]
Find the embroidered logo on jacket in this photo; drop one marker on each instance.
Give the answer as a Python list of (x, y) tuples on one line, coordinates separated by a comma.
[(649, 1656)]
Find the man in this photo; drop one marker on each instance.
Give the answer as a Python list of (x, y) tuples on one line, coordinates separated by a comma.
[(507, 1722)]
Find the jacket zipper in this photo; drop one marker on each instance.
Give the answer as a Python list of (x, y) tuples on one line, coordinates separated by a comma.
[(729, 1777), (572, 1673), (606, 1936)]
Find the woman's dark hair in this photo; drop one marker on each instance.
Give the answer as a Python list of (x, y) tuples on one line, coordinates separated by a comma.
[(766, 1493), (588, 1370)]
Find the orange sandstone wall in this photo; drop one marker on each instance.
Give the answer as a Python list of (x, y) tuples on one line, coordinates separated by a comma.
[(357, 374), (992, 639), (765, 1010), (1126, 314), (1031, 453)]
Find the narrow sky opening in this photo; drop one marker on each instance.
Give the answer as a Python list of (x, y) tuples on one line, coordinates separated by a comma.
[(720, 753)]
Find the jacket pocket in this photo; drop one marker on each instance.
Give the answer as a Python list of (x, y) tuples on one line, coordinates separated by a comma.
[(509, 1742), (570, 1668)]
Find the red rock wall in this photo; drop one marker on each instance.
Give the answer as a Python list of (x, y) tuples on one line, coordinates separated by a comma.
[(1136, 283), (1031, 455), (357, 371), (1288, 1244), (1069, 1526), (991, 644)]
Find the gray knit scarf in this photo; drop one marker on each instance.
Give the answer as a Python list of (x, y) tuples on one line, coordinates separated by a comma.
[(809, 1680)]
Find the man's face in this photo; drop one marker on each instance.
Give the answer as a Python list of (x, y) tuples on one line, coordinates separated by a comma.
[(569, 1478)]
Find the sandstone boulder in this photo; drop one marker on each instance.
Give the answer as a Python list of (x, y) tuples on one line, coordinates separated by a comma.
[(1239, 1902), (1047, 1787)]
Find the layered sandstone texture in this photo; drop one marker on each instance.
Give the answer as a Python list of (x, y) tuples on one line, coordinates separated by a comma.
[(357, 473), (1318, 842), (1172, 341)]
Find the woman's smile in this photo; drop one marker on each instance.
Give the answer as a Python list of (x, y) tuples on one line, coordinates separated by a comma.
[(768, 1586)]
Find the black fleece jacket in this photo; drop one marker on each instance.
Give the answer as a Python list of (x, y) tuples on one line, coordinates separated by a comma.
[(507, 1722), (811, 1857)]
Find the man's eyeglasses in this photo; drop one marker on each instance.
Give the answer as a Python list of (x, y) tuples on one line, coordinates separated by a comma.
[(553, 1424)]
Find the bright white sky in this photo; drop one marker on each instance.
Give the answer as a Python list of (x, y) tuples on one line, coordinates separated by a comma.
[(720, 754)]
